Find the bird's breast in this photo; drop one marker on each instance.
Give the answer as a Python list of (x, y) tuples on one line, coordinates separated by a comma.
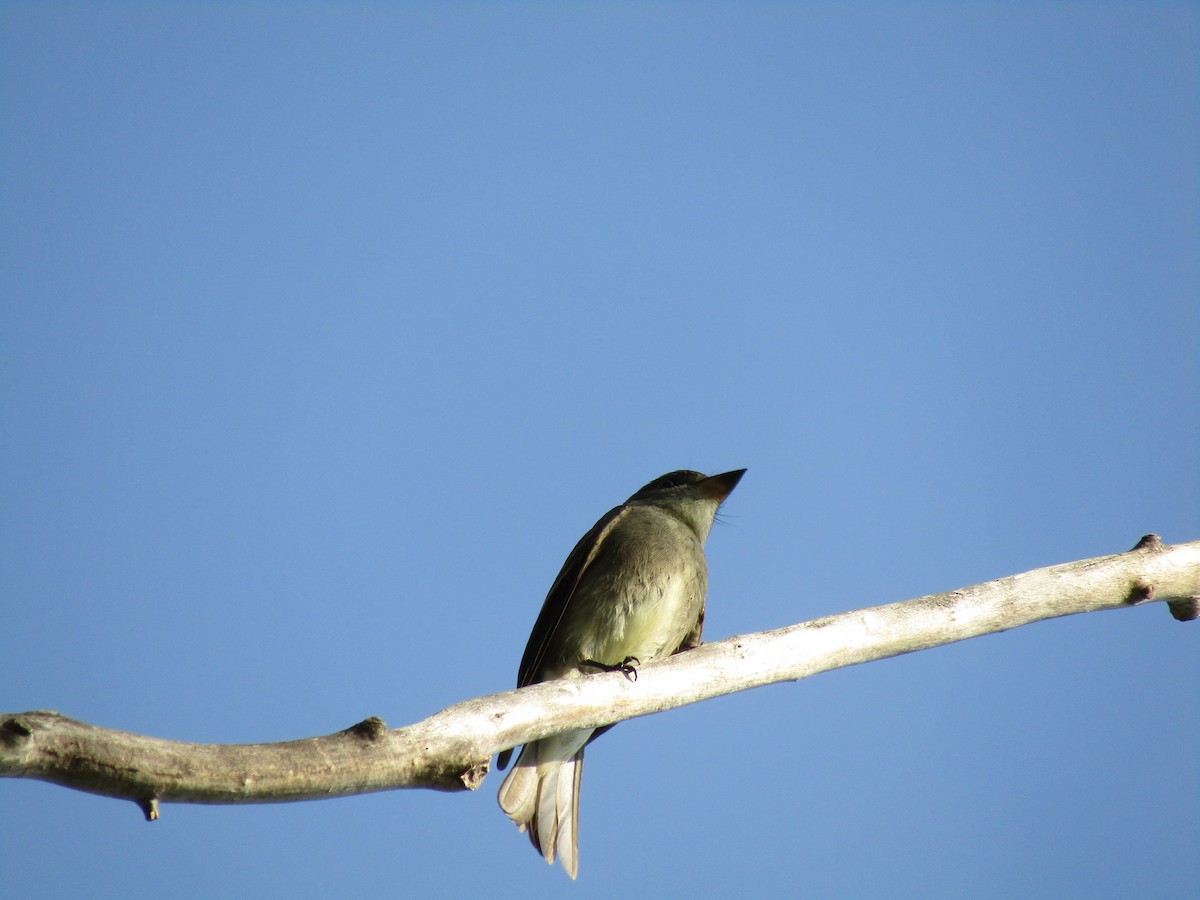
[(642, 595)]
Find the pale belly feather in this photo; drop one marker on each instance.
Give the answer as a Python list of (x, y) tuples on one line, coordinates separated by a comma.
[(650, 624)]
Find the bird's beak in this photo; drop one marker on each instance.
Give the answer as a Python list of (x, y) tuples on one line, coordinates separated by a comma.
[(721, 486)]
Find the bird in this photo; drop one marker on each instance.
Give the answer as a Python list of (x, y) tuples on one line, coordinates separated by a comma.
[(631, 591)]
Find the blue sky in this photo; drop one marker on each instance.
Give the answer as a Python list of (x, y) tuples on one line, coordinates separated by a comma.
[(328, 329)]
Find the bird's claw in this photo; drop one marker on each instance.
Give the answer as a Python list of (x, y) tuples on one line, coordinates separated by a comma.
[(627, 666)]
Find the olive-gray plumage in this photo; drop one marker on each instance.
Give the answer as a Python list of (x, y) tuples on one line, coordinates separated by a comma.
[(632, 589)]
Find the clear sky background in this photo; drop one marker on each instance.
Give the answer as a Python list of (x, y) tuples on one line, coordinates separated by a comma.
[(328, 329)]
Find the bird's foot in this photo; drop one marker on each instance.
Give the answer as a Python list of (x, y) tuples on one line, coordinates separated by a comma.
[(627, 666)]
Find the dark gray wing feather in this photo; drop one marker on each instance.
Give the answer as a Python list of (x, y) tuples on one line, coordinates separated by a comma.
[(554, 607)]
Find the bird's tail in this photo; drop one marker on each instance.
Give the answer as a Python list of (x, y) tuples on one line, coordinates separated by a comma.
[(541, 795)]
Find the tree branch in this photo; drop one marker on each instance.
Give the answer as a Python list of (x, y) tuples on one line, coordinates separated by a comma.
[(451, 750)]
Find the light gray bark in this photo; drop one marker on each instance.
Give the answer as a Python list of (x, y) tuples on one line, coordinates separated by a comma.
[(451, 750)]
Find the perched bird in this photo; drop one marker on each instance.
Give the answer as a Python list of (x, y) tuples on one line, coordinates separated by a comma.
[(630, 592)]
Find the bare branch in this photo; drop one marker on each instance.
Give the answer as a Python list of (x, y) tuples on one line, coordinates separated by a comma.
[(451, 750)]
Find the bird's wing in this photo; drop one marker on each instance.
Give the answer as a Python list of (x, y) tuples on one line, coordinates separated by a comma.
[(557, 600), (554, 607)]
